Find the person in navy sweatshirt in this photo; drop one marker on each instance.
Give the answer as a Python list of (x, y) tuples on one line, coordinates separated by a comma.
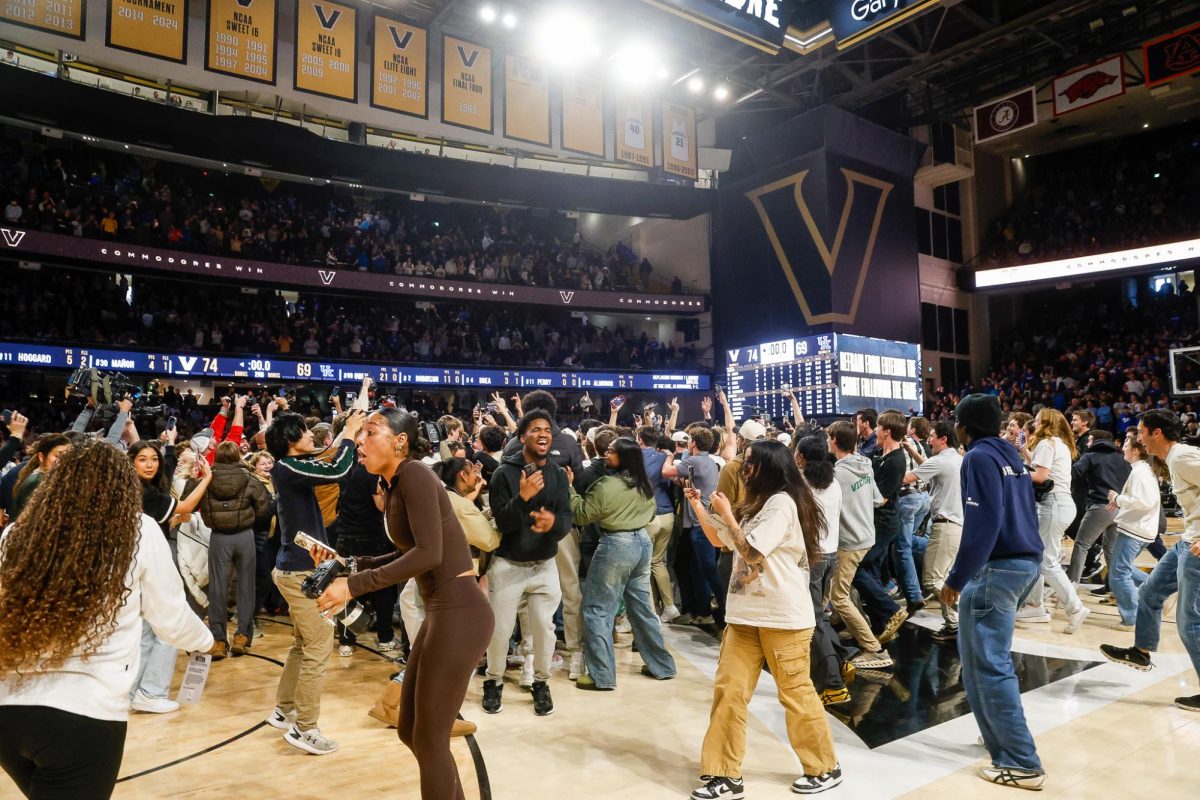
[(998, 563)]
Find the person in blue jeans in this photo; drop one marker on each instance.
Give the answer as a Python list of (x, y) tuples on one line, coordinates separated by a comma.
[(998, 563), (697, 470), (1179, 569), (621, 504), (1137, 508)]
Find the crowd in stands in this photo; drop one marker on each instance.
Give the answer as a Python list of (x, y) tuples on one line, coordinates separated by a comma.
[(100, 308), (1121, 194), (103, 195)]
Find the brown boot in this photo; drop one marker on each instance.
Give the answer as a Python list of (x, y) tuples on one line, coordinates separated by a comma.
[(387, 707), (463, 727), (219, 650), (241, 643)]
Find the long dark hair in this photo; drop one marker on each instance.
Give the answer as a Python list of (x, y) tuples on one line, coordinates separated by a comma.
[(449, 470), (818, 470), (632, 466), (41, 447), (772, 470), (160, 481), (403, 422)]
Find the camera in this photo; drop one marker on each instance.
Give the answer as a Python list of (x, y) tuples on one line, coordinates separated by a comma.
[(356, 617)]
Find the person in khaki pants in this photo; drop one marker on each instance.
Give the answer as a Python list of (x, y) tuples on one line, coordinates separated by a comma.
[(774, 535), (663, 524)]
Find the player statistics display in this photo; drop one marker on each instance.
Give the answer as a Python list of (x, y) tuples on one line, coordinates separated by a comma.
[(263, 368)]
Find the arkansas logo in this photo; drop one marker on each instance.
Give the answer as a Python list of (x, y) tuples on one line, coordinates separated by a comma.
[(1087, 86)]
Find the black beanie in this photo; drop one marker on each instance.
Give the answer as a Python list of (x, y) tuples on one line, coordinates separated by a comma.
[(979, 414)]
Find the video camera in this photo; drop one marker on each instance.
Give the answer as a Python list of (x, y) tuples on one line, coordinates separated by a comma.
[(356, 617), (109, 387)]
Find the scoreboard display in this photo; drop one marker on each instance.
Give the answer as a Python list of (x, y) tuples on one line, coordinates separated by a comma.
[(831, 374)]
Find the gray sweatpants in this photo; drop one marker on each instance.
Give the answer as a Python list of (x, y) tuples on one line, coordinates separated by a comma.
[(226, 550)]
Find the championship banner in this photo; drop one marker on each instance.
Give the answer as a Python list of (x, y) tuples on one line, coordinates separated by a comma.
[(583, 116), (526, 100), (400, 68), (156, 28), (326, 49), (634, 128), (240, 39), (1089, 85), (64, 17), (679, 140), (466, 84), (1006, 115), (1172, 56)]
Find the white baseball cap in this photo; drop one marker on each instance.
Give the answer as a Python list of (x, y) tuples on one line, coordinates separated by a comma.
[(681, 437), (752, 431)]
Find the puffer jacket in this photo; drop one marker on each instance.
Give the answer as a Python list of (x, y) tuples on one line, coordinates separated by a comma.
[(235, 500)]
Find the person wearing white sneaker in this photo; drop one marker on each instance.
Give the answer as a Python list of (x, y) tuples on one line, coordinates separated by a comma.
[(153, 705), (86, 566), (663, 524), (310, 741)]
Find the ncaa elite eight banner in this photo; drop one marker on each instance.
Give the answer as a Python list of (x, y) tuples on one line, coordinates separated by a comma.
[(240, 39), (64, 17), (155, 28), (400, 74), (326, 49), (583, 115), (466, 84), (526, 100), (679, 140), (634, 129)]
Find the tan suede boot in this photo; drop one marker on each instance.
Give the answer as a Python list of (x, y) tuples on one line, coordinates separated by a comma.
[(387, 707)]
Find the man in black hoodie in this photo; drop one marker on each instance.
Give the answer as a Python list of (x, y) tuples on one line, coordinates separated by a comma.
[(1101, 469), (532, 509)]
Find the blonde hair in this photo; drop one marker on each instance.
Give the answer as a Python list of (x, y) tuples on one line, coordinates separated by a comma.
[(1050, 424)]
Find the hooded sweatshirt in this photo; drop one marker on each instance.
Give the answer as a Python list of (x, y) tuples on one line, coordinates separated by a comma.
[(1103, 467), (518, 542), (1184, 462), (860, 496)]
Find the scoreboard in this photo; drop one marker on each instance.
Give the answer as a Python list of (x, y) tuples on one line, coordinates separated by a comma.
[(831, 374)]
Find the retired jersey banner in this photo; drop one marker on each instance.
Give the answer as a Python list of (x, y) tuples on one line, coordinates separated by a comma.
[(240, 39), (64, 17), (634, 129), (679, 140), (466, 84), (1089, 85), (1172, 56), (155, 28), (1006, 115), (583, 116), (326, 49), (400, 73), (526, 100)]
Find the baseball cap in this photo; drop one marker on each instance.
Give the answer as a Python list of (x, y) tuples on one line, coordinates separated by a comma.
[(784, 439), (681, 437), (752, 431)]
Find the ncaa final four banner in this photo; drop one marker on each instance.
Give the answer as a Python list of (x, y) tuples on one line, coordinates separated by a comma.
[(526, 100), (327, 49), (64, 17), (400, 68), (583, 115), (634, 128), (156, 28), (240, 39), (467, 84), (679, 140)]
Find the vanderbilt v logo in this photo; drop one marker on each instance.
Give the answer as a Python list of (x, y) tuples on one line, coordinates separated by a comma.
[(826, 277), (327, 276), (327, 22), (400, 41), (12, 238), (462, 53), (244, 3), (566, 296)]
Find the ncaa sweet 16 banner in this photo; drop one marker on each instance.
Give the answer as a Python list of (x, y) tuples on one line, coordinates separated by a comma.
[(64, 17), (634, 128), (240, 39), (679, 140), (327, 49), (466, 84), (583, 115), (155, 28), (400, 73), (526, 100)]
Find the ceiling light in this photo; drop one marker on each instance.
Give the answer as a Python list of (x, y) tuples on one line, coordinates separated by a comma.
[(487, 14), (662, 74), (695, 84), (1145, 124), (565, 39), (721, 93), (748, 95), (509, 20)]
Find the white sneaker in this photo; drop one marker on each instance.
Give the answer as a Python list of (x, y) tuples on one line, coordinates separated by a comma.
[(280, 720), (622, 625), (310, 741), (556, 661), (153, 705), (345, 650), (865, 660), (577, 668), (389, 647), (1076, 618), (1037, 614), (669, 613), (526, 681)]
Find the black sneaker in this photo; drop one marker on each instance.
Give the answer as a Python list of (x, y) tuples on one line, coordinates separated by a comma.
[(946, 633), (492, 691), (1129, 656), (1188, 703), (718, 787), (1100, 591), (543, 706), (815, 784), (913, 608)]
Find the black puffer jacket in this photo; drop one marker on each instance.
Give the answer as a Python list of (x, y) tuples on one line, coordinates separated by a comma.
[(1101, 468), (235, 500)]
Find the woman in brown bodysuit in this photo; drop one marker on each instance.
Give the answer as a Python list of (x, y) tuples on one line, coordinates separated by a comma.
[(432, 549)]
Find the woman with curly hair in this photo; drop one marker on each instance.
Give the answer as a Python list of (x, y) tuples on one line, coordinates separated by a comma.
[(73, 594)]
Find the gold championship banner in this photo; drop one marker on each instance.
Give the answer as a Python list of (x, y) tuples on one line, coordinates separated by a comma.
[(155, 28), (679, 140), (64, 17), (583, 116), (400, 68), (466, 84), (526, 100), (240, 38), (326, 49), (634, 129)]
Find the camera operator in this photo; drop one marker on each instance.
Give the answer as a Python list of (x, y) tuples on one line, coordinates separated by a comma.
[(296, 473), (74, 594)]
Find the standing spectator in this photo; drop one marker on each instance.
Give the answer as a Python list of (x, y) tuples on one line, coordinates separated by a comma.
[(1137, 507), (697, 471), (663, 524)]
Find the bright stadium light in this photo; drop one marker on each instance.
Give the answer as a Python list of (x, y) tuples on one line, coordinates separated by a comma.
[(695, 84), (509, 20), (487, 13), (721, 93), (565, 39)]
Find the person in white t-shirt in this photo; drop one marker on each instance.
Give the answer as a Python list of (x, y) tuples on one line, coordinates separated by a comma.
[(775, 535), (1053, 449)]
